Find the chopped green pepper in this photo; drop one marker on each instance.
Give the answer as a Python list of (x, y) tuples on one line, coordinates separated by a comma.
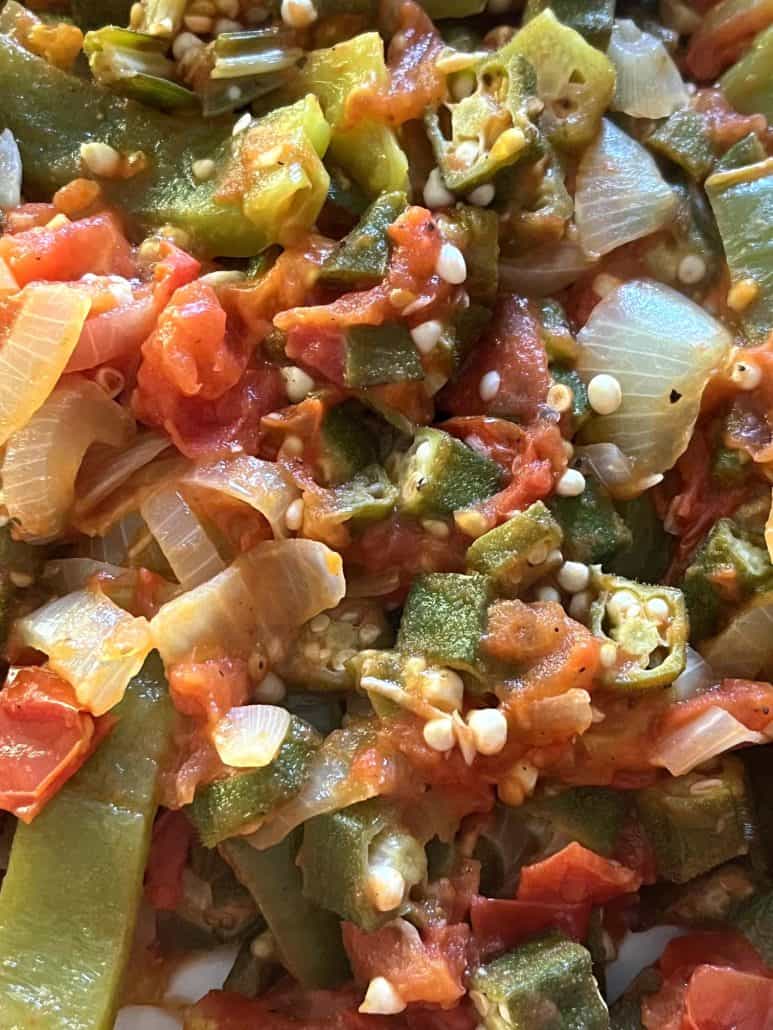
[(593, 531), (308, 939), (475, 231), (355, 860), (696, 822), (460, 335), (747, 151), (361, 258), (593, 19), (747, 84), (241, 802), (70, 897), (547, 984), (346, 444), (685, 138), (440, 474), (514, 553), (376, 354)]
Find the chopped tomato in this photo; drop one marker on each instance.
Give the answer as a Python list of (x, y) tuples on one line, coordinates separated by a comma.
[(45, 737), (426, 968), (728, 126), (575, 875), (404, 545), (315, 1010), (28, 216), (95, 245), (749, 702), (723, 35), (715, 948), (727, 999), (323, 350), (518, 632), (500, 924), (207, 690), (513, 349), (169, 846)]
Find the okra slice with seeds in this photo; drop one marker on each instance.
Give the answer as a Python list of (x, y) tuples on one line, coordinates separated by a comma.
[(440, 474), (514, 554)]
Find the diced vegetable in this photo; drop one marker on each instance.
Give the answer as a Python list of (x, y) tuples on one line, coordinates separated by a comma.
[(361, 258), (593, 816), (444, 619), (376, 354), (346, 444), (514, 554), (440, 474), (593, 19), (648, 83), (754, 918), (135, 64), (685, 139), (593, 531), (747, 84)]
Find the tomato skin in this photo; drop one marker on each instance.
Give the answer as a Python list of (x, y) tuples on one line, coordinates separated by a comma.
[(169, 846), (727, 999), (207, 690), (500, 924), (575, 875), (710, 947), (719, 41)]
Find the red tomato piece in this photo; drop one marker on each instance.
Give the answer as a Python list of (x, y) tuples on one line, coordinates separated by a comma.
[(169, 846), (499, 924), (728, 999), (714, 948), (575, 875), (207, 690)]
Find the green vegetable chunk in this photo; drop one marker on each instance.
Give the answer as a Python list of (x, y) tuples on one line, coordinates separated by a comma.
[(240, 803), (696, 822), (346, 444), (475, 231), (593, 19), (444, 619), (361, 258), (748, 84), (347, 856), (747, 151), (547, 984), (592, 816), (514, 553), (440, 474), (754, 918), (376, 354), (69, 899), (308, 939), (648, 555), (685, 139), (593, 531), (134, 63)]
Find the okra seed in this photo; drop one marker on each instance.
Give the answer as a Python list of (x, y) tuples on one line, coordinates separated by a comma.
[(21, 579), (369, 634), (579, 605), (439, 734), (135, 15), (386, 888), (463, 85), (623, 604), (482, 196), (292, 447), (608, 655), (319, 623), (489, 385), (264, 946), (547, 593), (100, 158), (471, 523), (233, 93), (382, 998), (538, 554), (568, 449), (294, 514), (451, 265), (746, 374), (271, 690), (573, 576), (242, 124), (481, 1003), (443, 688), (324, 654), (571, 484), (467, 153), (657, 609), (560, 397), (489, 730), (427, 335), (555, 557), (691, 269), (298, 14), (742, 294), (185, 42), (203, 169), (298, 383), (604, 394)]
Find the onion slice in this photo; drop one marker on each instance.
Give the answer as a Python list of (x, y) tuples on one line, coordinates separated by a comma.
[(648, 83), (540, 271), (744, 648), (36, 349), (191, 554), (696, 677), (42, 459), (708, 735), (249, 737), (10, 170), (90, 642), (620, 194), (104, 468)]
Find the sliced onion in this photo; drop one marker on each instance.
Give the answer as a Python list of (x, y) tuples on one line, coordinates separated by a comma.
[(620, 194), (104, 469), (264, 596), (744, 648), (648, 83), (607, 463), (183, 541), (636, 952), (261, 484), (128, 539), (199, 973), (696, 677), (249, 737), (542, 271), (36, 349), (708, 735), (662, 349), (67, 574), (90, 642), (42, 459), (10, 170)]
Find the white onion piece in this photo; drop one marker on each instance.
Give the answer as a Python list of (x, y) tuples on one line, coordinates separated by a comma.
[(662, 349), (636, 952), (10, 170), (146, 1017), (708, 735), (265, 595), (42, 459), (607, 463), (200, 973), (67, 574), (249, 737), (261, 484), (127, 539), (191, 554), (36, 349), (90, 642), (541, 271), (104, 470), (744, 648), (648, 83), (620, 194), (696, 677)]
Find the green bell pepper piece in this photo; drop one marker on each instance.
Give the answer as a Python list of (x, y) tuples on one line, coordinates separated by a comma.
[(651, 652), (742, 201), (376, 354), (514, 554), (475, 231), (702, 902), (748, 83), (575, 81), (546, 984), (592, 816), (696, 822), (308, 939), (593, 530), (459, 336), (343, 850), (361, 258), (134, 63), (346, 444), (593, 20), (754, 918), (368, 152), (70, 897), (440, 474), (241, 802), (444, 619), (747, 151), (685, 139), (501, 849)]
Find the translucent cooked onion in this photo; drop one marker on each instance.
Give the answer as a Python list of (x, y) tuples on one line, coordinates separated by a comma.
[(538, 272), (10, 170), (42, 459), (261, 484), (648, 83), (662, 349), (620, 194), (265, 595), (696, 677), (744, 648), (67, 574), (769, 529), (104, 468), (90, 642), (607, 463), (708, 735), (192, 556), (36, 349), (249, 737), (122, 544)]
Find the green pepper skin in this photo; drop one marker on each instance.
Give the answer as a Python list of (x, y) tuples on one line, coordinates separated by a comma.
[(308, 938), (593, 530), (70, 897), (440, 474), (504, 552), (696, 822), (444, 619), (555, 331), (240, 803), (361, 258), (593, 20), (581, 409), (685, 139), (747, 151), (378, 354), (546, 984), (748, 84)]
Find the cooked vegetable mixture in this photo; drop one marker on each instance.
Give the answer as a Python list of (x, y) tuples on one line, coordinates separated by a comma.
[(386, 449)]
